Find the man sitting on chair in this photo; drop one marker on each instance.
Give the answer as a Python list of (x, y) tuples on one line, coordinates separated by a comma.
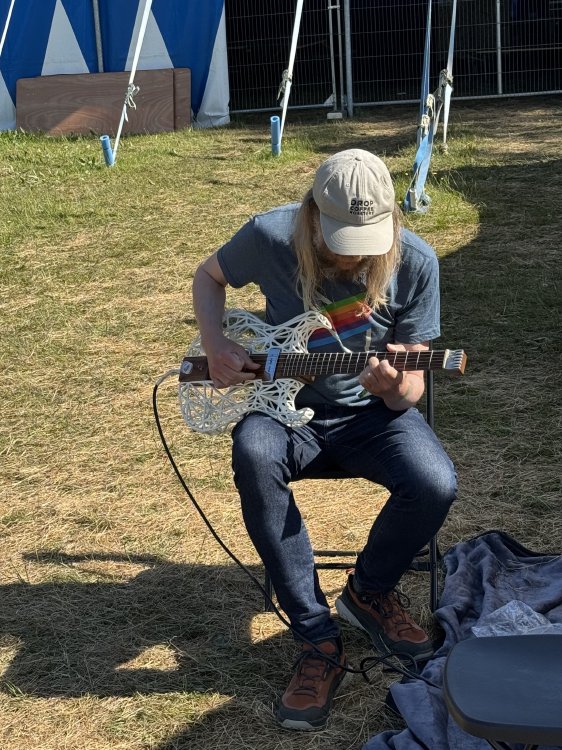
[(341, 251)]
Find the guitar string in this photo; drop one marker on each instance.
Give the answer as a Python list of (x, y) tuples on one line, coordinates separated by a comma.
[(328, 362), (336, 362)]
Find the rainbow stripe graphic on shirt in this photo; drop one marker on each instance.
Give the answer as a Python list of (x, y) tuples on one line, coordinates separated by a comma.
[(349, 317)]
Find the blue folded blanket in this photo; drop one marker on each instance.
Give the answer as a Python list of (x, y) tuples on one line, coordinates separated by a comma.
[(482, 575)]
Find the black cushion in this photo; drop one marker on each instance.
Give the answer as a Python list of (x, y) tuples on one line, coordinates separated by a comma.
[(507, 687)]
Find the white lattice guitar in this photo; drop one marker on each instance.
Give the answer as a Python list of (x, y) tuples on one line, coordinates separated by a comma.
[(282, 353)]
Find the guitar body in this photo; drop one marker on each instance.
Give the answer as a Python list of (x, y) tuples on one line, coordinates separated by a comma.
[(211, 410)]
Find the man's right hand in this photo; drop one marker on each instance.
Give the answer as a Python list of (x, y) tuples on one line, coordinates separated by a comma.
[(229, 363)]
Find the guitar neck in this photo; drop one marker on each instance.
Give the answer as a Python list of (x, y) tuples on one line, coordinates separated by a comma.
[(291, 365), (276, 364)]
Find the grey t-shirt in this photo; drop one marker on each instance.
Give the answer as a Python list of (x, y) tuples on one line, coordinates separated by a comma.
[(261, 252)]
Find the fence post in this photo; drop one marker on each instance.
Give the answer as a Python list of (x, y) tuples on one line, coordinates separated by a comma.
[(340, 57), (499, 45), (97, 29), (348, 68), (332, 56)]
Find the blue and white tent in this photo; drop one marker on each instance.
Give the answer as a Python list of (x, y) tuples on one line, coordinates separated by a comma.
[(48, 37)]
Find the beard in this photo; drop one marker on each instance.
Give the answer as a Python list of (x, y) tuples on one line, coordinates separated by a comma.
[(339, 267), (343, 267)]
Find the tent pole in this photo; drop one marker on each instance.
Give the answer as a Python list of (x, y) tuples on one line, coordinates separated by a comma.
[(340, 53), (111, 154), (448, 85), (132, 90), (288, 75), (499, 46), (5, 32), (97, 29)]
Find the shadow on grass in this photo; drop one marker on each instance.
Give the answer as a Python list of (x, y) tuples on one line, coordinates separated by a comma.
[(76, 638)]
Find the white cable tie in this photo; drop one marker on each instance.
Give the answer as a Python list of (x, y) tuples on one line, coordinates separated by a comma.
[(285, 78), (132, 91), (430, 103), (425, 122), (445, 77)]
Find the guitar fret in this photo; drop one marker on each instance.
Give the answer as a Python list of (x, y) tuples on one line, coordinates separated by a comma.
[(302, 368), (325, 363)]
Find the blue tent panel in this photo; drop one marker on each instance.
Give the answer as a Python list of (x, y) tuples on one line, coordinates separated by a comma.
[(117, 22), (189, 32), (190, 35), (28, 36), (26, 41)]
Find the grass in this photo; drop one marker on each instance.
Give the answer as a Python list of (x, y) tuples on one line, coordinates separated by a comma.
[(123, 625)]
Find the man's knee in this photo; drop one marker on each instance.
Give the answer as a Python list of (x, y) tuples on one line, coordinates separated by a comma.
[(257, 444), (444, 484), (435, 483)]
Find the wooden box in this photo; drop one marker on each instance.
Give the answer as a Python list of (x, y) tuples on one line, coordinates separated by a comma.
[(86, 103)]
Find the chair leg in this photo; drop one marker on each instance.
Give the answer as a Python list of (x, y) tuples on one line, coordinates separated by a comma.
[(434, 558), (268, 586)]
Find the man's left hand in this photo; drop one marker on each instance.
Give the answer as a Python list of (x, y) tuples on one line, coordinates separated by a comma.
[(399, 390)]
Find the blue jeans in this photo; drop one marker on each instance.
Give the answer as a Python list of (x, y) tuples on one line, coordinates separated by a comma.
[(395, 449)]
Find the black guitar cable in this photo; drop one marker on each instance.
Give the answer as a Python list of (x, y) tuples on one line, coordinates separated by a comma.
[(368, 662)]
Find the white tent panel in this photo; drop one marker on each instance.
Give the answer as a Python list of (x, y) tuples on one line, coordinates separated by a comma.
[(212, 112), (154, 53), (63, 54), (7, 108)]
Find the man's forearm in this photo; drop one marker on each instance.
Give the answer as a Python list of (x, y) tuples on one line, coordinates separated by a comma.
[(209, 299)]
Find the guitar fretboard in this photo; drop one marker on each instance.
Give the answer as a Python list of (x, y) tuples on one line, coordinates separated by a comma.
[(293, 365)]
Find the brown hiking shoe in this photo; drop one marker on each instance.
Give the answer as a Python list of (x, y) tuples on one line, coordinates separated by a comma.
[(307, 701), (385, 619)]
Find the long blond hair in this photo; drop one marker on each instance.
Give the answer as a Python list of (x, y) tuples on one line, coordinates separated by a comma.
[(311, 274)]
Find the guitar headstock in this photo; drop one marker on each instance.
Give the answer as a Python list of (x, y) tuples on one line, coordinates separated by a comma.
[(454, 361), (193, 369)]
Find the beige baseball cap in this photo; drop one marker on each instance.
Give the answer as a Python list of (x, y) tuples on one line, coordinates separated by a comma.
[(354, 193)]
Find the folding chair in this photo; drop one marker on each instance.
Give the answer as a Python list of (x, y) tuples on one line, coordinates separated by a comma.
[(507, 689), (426, 560)]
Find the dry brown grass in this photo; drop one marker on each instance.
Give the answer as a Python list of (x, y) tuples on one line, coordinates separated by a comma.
[(122, 623)]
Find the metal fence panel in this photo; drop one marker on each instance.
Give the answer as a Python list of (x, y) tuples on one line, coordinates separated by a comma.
[(502, 48), (259, 38), (531, 46)]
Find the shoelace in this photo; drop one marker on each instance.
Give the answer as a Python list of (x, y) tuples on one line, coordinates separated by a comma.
[(312, 669), (392, 606)]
